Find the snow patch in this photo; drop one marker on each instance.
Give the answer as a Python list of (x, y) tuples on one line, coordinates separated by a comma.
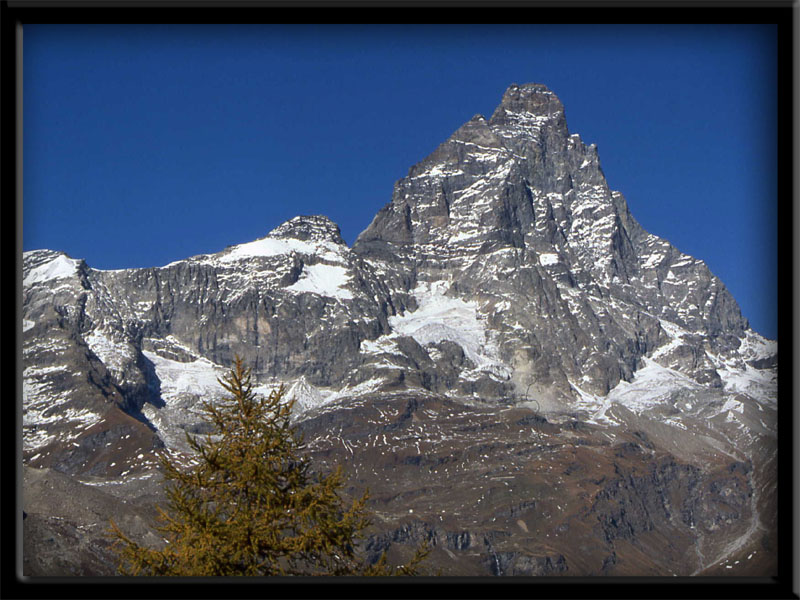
[(384, 344), (305, 395), (115, 355), (198, 377), (440, 170), (548, 259), (441, 318), (32, 371), (684, 260), (58, 268), (365, 387), (595, 405), (325, 280), (738, 377), (651, 386), (755, 346), (653, 260), (270, 246), (734, 405), (760, 385)]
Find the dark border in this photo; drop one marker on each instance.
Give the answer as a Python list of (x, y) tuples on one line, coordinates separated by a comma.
[(377, 11), (13, 16)]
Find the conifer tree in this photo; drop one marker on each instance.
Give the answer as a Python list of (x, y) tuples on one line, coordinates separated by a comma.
[(250, 505)]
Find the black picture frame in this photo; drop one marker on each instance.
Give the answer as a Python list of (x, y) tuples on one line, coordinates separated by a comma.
[(13, 18)]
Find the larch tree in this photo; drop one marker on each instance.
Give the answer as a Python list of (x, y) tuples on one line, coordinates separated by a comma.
[(250, 504)]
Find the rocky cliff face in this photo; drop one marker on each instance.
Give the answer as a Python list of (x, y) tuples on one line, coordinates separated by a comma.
[(514, 214), (504, 275)]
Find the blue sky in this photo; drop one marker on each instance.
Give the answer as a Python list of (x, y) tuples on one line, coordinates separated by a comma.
[(148, 144)]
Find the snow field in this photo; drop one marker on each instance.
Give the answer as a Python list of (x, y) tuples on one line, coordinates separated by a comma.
[(58, 268)]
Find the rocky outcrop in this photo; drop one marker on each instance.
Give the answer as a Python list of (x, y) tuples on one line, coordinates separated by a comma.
[(516, 563)]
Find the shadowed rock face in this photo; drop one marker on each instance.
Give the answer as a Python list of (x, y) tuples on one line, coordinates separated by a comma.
[(503, 278)]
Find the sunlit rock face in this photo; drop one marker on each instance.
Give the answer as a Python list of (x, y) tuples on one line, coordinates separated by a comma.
[(514, 215), (503, 356)]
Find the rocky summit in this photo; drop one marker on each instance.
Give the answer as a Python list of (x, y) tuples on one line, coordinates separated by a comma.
[(519, 372)]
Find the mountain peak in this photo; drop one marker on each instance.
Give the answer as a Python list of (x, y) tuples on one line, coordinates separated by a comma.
[(526, 113), (534, 98), (309, 228), (503, 304)]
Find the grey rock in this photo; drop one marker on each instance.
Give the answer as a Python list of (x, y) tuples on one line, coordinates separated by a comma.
[(516, 209)]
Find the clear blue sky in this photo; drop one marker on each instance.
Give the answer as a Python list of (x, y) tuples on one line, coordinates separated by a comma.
[(148, 144)]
